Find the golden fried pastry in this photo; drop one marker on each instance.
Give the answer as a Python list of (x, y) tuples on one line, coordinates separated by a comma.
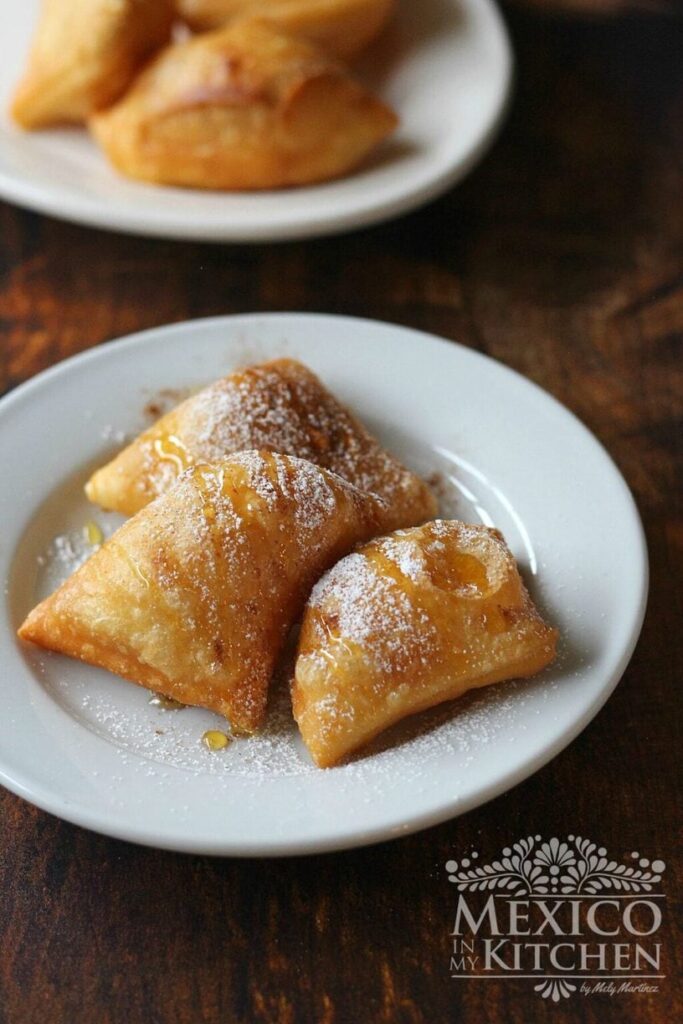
[(85, 54), (195, 595), (245, 107), (342, 27), (405, 623), (280, 406)]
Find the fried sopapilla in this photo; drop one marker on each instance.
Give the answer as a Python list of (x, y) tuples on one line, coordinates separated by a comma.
[(84, 55), (195, 595), (342, 27), (405, 623), (280, 406), (244, 108)]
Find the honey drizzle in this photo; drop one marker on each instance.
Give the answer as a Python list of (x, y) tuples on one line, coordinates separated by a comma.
[(458, 573), (169, 448), (93, 534), (160, 700), (214, 739), (131, 563), (206, 478)]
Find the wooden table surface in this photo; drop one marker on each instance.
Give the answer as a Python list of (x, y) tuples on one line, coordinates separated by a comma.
[(560, 256)]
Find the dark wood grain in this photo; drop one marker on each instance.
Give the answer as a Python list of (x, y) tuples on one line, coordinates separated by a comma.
[(561, 256)]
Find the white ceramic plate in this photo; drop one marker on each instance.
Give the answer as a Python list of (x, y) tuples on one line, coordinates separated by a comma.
[(445, 67), (87, 746)]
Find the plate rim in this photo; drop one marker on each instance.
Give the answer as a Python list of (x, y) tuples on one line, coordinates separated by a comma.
[(67, 207), (448, 809)]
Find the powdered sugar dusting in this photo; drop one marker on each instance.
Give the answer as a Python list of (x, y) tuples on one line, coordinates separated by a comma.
[(111, 433), (406, 556), (371, 610), (300, 483), (66, 553), (280, 407), (291, 486), (160, 743)]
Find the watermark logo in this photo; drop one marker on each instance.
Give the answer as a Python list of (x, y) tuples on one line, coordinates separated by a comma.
[(559, 913)]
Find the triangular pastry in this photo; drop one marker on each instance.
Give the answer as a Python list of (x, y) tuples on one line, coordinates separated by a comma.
[(195, 595), (407, 622), (84, 55), (245, 107), (342, 27), (279, 406)]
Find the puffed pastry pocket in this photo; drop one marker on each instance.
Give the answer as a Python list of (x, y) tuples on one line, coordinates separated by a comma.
[(245, 107), (84, 55), (405, 623), (342, 27), (195, 595), (280, 406)]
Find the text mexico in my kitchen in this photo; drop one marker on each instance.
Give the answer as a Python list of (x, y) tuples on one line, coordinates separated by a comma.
[(558, 912)]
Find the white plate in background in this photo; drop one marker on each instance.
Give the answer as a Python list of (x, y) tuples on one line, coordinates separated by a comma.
[(87, 746), (445, 67)]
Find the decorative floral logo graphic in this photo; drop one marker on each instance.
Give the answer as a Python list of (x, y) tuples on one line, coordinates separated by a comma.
[(555, 989), (576, 866)]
